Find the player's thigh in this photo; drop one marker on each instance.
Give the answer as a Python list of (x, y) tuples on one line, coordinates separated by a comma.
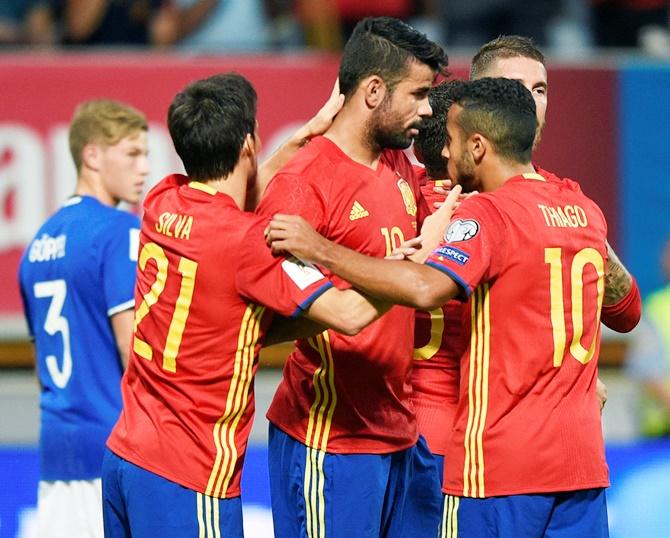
[(156, 506), (330, 495), (69, 508), (496, 517), (416, 509), (286, 464), (579, 513)]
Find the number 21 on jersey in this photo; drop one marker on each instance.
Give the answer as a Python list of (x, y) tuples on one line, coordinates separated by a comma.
[(586, 256), (187, 270)]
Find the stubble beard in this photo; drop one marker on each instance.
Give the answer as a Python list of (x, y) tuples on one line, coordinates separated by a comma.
[(385, 129), (465, 174)]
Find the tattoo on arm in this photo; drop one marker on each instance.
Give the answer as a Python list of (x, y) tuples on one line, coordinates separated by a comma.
[(618, 281)]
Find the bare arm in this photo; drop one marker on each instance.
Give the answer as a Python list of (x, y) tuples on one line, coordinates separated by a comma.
[(618, 281), (189, 18), (345, 311), (122, 325), (82, 17), (400, 282), (622, 304), (316, 126), (39, 26)]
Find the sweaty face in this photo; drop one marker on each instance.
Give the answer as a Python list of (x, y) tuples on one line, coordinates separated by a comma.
[(533, 75), (396, 121), (461, 167), (124, 168)]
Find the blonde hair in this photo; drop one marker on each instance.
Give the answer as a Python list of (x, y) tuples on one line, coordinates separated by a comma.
[(102, 121)]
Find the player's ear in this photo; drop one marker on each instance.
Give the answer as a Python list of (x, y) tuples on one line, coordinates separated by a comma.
[(249, 147), (375, 90), (478, 146), (91, 155)]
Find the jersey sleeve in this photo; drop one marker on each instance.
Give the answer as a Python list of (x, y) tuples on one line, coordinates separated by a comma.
[(624, 315), (473, 246), (286, 285), (119, 261)]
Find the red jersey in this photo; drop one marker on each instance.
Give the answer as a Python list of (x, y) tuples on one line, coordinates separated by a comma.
[(339, 393), (533, 256), (188, 391), (438, 345)]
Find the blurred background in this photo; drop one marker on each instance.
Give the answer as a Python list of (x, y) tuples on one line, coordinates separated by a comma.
[(608, 126)]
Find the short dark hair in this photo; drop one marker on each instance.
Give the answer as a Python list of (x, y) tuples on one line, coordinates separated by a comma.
[(503, 111), (504, 46), (209, 121), (385, 46), (433, 132)]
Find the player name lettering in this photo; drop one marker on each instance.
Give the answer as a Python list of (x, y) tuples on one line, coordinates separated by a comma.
[(569, 216), (175, 225), (47, 248)]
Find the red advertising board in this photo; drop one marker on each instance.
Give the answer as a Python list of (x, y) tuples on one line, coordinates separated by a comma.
[(40, 92)]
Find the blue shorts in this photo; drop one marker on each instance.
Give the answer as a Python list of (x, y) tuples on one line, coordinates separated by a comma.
[(566, 514), (141, 504), (317, 494)]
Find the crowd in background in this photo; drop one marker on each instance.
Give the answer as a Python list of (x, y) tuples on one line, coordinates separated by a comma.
[(565, 27)]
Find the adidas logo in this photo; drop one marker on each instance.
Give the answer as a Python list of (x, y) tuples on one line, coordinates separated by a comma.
[(357, 211)]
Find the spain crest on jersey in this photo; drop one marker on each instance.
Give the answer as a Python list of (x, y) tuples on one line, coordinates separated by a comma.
[(407, 197)]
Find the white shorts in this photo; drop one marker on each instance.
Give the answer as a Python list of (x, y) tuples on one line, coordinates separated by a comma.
[(70, 509)]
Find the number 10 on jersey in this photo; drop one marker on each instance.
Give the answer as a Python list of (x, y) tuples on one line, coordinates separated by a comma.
[(586, 256)]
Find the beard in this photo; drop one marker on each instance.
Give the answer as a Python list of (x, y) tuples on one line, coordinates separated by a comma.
[(464, 173), (387, 131), (538, 136)]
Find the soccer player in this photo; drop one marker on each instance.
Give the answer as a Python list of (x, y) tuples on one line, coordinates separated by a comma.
[(439, 340), (77, 278), (526, 455), (206, 288), (518, 58), (344, 447)]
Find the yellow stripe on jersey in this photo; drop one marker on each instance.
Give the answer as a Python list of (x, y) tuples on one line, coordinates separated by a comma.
[(316, 439), (236, 403), (478, 385)]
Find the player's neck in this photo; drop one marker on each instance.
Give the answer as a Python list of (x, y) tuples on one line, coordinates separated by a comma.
[(349, 133), (495, 174), (91, 185), (233, 185)]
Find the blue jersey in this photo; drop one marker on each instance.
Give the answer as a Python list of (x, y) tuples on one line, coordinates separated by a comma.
[(77, 272)]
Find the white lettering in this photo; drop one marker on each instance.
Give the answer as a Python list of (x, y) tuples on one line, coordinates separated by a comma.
[(47, 248)]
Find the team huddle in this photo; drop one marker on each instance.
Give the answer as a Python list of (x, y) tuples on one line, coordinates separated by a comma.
[(449, 390)]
